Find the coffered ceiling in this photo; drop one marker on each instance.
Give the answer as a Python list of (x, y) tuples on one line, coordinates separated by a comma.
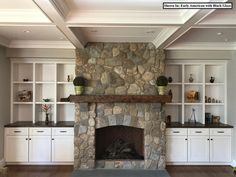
[(73, 23)]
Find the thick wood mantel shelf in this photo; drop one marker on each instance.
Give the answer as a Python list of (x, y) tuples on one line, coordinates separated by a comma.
[(120, 98)]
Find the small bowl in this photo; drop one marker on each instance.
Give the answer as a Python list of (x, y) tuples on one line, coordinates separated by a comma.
[(46, 99)]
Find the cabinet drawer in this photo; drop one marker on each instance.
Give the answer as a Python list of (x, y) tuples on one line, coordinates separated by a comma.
[(198, 131), (40, 131), (176, 131), (16, 131), (62, 131), (220, 131)]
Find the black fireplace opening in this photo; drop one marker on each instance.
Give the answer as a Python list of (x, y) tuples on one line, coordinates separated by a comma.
[(119, 142)]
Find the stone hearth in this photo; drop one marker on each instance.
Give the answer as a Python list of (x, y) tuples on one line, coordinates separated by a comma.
[(121, 69)]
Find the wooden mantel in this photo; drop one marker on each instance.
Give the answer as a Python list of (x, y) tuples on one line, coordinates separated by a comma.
[(120, 98)]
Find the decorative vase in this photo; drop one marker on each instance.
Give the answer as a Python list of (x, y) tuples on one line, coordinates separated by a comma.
[(79, 90), (161, 90), (212, 79), (47, 118), (191, 78), (170, 79)]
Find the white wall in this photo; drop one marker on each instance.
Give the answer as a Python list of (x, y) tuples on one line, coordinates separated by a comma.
[(4, 95), (232, 100)]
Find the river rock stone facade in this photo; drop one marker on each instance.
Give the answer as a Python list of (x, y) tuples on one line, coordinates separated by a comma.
[(121, 69)]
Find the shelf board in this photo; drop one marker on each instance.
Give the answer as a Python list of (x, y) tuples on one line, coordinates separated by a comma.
[(22, 82), (214, 84), (192, 103), (43, 102), (45, 82), (65, 82), (175, 83), (214, 104), (120, 98), (195, 83), (65, 103), (17, 102), (174, 103)]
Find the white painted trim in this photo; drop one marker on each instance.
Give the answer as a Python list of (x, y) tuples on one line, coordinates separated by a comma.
[(62, 7), (197, 17), (203, 46), (163, 35), (23, 15), (2, 163), (233, 163), (40, 44)]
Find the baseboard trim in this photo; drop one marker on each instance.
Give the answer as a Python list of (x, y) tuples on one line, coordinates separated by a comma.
[(2, 163), (233, 163)]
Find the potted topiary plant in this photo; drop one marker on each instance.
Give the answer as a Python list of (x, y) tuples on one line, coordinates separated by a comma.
[(79, 83), (161, 82)]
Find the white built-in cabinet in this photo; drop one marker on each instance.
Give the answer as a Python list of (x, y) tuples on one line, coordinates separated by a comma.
[(38, 145), (198, 145), (47, 79), (180, 109), (176, 146)]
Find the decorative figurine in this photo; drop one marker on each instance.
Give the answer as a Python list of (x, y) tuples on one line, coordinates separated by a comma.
[(170, 79), (209, 100), (68, 78), (191, 78), (170, 93), (212, 79)]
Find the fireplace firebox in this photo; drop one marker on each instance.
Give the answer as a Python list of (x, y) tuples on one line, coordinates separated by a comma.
[(119, 142)]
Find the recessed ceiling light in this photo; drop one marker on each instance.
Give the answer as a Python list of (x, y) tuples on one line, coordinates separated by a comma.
[(226, 39), (150, 32), (61, 38), (27, 31), (219, 33)]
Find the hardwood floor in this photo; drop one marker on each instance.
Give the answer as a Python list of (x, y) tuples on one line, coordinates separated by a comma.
[(200, 171), (39, 171), (174, 171)]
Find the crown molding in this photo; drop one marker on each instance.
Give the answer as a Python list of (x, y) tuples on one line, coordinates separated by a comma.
[(22, 16), (40, 44), (163, 35), (203, 46)]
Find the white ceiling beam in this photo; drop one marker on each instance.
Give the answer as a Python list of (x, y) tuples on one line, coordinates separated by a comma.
[(197, 17), (54, 12)]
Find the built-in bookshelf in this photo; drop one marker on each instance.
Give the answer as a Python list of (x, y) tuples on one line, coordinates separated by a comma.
[(211, 96), (33, 81)]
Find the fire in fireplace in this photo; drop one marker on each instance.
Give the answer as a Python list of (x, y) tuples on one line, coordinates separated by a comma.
[(119, 142)]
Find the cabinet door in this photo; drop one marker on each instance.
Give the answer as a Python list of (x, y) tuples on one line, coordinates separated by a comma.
[(176, 149), (16, 148), (220, 148), (63, 149), (198, 149), (40, 149)]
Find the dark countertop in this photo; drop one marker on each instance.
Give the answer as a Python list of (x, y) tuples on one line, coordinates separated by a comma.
[(197, 125), (41, 124)]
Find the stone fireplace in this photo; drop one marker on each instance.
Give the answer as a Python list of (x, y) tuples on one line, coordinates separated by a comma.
[(138, 128)]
